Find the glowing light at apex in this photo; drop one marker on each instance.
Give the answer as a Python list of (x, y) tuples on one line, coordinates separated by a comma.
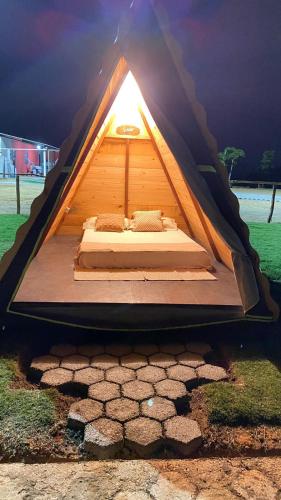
[(127, 103)]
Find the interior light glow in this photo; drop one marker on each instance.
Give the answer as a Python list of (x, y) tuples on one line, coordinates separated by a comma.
[(126, 107)]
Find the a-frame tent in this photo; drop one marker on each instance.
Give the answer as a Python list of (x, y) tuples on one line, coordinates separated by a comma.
[(187, 154)]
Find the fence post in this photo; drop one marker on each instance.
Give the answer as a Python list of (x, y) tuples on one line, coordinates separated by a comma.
[(272, 203), (18, 192)]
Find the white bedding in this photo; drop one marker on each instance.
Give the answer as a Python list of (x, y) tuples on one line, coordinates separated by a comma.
[(129, 249)]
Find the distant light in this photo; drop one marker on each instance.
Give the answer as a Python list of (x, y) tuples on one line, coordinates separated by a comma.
[(38, 146)]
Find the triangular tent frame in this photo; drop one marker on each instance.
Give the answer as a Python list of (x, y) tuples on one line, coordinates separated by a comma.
[(155, 66)]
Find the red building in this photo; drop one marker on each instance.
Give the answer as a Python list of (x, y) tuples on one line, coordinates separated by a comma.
[(25, 157)]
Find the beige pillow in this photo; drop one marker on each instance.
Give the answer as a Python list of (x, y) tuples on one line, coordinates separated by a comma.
[(158, 213), (110, 222), (90, 223), (169, 224), (147, 222)]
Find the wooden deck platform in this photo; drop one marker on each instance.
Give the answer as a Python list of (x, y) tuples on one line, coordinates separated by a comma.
[(49, 279)]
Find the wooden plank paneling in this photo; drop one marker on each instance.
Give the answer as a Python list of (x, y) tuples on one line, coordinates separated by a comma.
[(103, 188)]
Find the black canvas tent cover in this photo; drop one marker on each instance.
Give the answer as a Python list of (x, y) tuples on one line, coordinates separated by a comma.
[(155, 60)]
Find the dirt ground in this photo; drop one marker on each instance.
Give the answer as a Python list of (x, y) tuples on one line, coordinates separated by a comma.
[(205, 479)]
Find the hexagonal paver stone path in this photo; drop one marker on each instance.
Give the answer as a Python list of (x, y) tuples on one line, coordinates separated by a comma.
[(184, 374), (82, 412), (104, 361), (183, 434), (171, 389), (143, 435), (75, 362), (63, 350), (41, 364), (162, 360), (87, 376), (103, 437), (158, 408), (118, 349), (134, 361), (146, 349), (190, 359), (120, 375), (172, 348), (90, 350), (104, 391), (58, 378), (122, 409), (151, 374), (137, 390), (198, 347), (210, 373)]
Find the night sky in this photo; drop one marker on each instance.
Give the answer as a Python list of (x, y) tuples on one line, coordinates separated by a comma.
[(51, 49)]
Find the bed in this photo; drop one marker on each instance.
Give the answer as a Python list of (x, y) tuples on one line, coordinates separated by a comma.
[(138, 250)]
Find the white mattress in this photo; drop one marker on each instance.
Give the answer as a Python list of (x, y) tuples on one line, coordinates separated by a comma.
[(129, 249)]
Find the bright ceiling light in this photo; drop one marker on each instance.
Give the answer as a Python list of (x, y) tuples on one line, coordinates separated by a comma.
[(126, 107)]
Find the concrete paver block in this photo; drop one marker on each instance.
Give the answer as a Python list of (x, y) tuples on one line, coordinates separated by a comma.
[(103, 437), (158, 408), (58, 378), (152, 374), (134, 361), (104, 391), (104, 361), (143, 435), (120, 375), (183, 434), (184, 374), (82, 412), (162, 360), (171, 389), (75, 362), (88, 376), (191, 359), (210, 373), (122, 409), (41, 364), (137, 390)]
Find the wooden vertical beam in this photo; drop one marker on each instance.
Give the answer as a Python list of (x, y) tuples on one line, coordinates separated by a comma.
[(127, 160)]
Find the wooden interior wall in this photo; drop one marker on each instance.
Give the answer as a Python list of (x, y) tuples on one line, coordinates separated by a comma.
[(102, 188), (202, 229), (149, 188)]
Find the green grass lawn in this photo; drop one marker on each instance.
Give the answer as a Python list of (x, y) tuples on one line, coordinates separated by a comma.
[(9, 225), (23, 412), (254, 398), (266, 238)]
